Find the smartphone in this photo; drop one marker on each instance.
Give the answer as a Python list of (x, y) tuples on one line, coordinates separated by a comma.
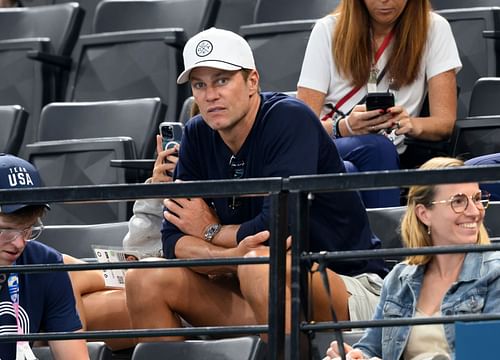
[(379, 101), (171, 133)]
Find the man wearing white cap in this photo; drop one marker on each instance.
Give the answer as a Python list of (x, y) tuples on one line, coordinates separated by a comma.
[(32, 302), (242, 133)]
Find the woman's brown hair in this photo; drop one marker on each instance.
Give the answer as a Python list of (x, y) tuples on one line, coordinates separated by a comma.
[(352, 42)]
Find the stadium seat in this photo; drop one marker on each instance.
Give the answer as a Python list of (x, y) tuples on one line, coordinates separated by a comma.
[(77, 240), (12, 125), (242, 348), (234, 13), (455, 4), (279, 51), (484, 97), (83, 162), (136, 118), (476, 136), (113, 66), (476, 32), (35, 47), (97, 351), (121, 15), (282, 10)]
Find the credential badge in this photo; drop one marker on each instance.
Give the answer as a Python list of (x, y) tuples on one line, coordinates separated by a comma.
[(204, 48)]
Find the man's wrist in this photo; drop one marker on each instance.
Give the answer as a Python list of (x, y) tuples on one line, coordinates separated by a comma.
[(211, 231)]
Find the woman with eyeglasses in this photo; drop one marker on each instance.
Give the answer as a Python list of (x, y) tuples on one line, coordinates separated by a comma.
[(434, 285)]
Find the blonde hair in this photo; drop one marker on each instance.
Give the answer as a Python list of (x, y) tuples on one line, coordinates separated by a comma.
[(413, 231), (352, 44)]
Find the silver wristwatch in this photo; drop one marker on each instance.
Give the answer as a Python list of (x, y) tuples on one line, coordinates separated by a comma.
[(211, 231)]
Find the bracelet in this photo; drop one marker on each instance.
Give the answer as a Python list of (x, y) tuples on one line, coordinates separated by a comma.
[(336, 128), (348, 126)]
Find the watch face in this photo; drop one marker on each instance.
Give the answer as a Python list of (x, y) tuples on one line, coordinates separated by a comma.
[(212, 231)]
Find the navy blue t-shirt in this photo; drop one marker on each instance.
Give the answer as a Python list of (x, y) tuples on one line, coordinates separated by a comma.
[(286, 139), (46, 300)]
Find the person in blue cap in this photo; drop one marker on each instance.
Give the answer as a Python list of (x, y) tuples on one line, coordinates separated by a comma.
[(32, 302)]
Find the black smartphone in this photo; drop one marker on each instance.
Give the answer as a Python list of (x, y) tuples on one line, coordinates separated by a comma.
[(379, 101), (171, 134)]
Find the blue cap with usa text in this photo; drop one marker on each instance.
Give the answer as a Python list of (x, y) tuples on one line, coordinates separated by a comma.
[(17, 173)]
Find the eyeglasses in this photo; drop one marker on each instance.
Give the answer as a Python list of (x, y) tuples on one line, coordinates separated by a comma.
[(28, 234), (459, 202), (236, 171)]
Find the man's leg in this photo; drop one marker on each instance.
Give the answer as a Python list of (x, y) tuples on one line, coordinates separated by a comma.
[(158, 298), (254, 283), (99, 308)]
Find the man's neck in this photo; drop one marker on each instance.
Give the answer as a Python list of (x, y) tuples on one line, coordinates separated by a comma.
[(236, 136)]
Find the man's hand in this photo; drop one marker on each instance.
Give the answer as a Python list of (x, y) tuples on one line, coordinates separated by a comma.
[(191, 216), (252, 242), (165, 162)]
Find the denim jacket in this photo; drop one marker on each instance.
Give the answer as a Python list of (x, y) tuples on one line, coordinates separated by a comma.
[(477, 290)]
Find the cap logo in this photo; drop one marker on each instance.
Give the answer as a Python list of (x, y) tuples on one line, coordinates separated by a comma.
[(19, 176), (204, 48)]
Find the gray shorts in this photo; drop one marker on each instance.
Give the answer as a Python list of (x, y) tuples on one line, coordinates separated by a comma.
[(364, 290)]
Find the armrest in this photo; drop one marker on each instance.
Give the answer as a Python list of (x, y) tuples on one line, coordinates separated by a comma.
[(137, 164), (63, 62)]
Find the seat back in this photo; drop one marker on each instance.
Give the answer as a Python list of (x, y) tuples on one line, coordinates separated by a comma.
[(77, 240), (278, 51), (137, 118), (83, 162), (44, 30), (113, 66), (97, 351), (484, 97), (476, 136), (242, 348), (455, 4), (235, 13), (190, 15), (60, 23), (282, 10), (475, 31), (12, 125), (25, 82)]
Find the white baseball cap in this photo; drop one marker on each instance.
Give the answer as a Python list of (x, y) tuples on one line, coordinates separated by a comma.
[(216, 48)]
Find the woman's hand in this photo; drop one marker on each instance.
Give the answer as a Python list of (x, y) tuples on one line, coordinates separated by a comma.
[(362, 122), (165, 162), (332, 353), (402, 121)]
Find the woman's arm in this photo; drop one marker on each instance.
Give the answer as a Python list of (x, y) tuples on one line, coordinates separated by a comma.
[(315, 100), (443, 111)]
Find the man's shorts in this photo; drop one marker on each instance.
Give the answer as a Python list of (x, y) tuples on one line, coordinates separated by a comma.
[(364, 290)]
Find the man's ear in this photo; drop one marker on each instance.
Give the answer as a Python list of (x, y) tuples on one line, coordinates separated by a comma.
[(423, 214), (253, 81)]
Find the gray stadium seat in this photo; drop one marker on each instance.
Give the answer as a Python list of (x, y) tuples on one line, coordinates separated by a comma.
[(12, 126), (282, 10), (484, 97), (455, 4), (47, 34), (121, 15), (97, 351), (476, 136), (77, 240), (234, 13), (113, 66), (476, 32), (279, 51), (242, 348), (83, 162), (136, 118)]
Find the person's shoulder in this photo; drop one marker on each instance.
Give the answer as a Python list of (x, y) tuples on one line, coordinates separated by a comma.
[(438, 21), (278, 105), (401, 271), (491, 259), (37, 253)]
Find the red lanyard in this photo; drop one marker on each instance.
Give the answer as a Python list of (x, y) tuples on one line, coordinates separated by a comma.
[(353, 91)]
